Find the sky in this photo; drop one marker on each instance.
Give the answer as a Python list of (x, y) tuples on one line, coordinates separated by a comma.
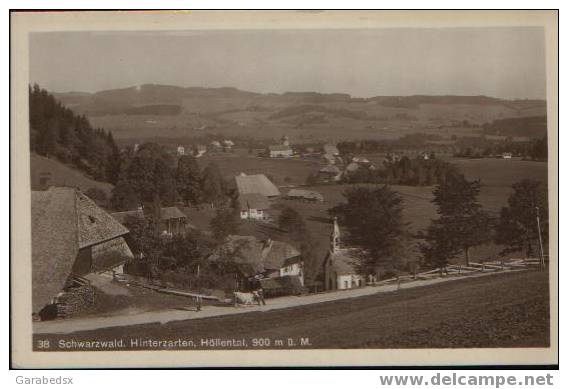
[(499, 62)]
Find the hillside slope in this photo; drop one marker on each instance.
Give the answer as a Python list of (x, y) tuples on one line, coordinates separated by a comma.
[(62, 175)]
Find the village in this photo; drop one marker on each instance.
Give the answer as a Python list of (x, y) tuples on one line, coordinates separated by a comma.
[(265, 245)]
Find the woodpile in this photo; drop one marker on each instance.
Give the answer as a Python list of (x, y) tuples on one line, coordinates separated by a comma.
[(74, 300)]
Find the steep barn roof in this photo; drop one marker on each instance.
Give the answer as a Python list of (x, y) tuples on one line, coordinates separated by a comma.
[(168, 213), (95, 225), (63, 221), (279, 254), (253, 201), (255, 255), (256, 183), (55, 242)]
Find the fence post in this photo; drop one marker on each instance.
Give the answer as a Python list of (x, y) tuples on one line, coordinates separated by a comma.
[(397, 283), (459, 269)]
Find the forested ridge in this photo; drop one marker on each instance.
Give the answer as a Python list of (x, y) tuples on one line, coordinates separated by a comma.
[(57, 132)]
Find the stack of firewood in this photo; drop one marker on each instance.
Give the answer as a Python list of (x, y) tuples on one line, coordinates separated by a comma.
[(74, 300)]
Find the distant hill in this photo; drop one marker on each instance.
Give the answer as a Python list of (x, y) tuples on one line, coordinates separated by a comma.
[(60, 174), (141, 112), (530, 126)]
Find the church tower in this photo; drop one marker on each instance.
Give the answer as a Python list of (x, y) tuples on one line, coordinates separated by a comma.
[(335, 236)]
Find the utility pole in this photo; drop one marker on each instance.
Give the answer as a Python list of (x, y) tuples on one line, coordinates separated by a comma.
[(540, 239)]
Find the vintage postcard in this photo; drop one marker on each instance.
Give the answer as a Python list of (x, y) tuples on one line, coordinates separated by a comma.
[(284, 188)]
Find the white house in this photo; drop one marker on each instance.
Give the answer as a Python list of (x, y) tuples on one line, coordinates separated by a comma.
[(253, 206), (339, 266), (180, 151), (282, 150)]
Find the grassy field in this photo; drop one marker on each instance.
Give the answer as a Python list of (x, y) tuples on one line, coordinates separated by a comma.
[(62, 175), (504, 310)]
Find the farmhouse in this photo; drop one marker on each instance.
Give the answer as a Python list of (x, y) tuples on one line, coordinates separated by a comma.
[(172, 221), (180, 151), (507, 155), (260, 259), (256, 183), (339, 265), (253, 206), (71, 238), (301, 194), (329, 173)]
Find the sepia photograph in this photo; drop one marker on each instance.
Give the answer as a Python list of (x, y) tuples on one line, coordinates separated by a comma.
[(331, 182)]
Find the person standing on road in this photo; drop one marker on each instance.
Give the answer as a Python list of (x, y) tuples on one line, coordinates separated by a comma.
[(260, 294)]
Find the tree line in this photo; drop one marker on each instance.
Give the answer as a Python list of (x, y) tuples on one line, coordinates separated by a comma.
[(406, 171), (373, 220), (151, 176)]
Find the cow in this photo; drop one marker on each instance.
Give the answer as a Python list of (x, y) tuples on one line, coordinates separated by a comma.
[(242, 298)]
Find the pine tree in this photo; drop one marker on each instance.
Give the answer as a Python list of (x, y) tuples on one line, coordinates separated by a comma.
[(517, 228), (188, 179), (462, 223), (373, 221), (213, 185)]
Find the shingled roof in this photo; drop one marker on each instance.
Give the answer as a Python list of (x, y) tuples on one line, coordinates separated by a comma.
[(343, 261), (256, 183), (55, 242), (257, 255), (63, 221), (95, 224), (253, 201)]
